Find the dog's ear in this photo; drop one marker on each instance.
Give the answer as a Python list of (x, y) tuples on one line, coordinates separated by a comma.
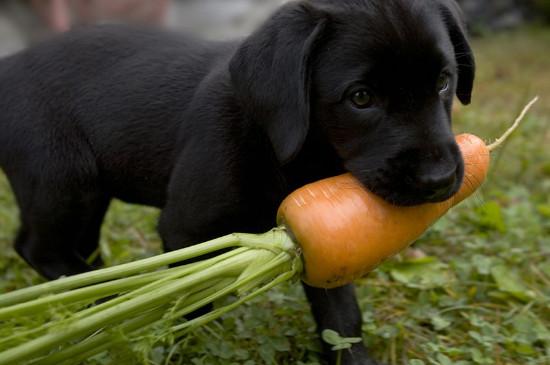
[(453, 18), (270, 74)]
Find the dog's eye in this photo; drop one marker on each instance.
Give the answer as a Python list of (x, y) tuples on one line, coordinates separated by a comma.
[(443, 83), (362, 99)]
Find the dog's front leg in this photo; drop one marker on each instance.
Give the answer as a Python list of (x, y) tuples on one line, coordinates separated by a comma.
[(337, 309)]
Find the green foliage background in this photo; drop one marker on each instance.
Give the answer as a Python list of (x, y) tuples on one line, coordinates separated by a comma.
[(474, 290), (543, 8)]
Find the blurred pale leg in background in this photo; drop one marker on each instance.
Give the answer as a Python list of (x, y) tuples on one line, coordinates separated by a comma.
[(214, 18), (60, 15), (26, 22)]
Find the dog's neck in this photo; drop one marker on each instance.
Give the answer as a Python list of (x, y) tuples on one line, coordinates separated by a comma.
[(316, 160)]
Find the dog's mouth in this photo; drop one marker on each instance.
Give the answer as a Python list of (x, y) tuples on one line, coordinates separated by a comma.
[(398, 189)]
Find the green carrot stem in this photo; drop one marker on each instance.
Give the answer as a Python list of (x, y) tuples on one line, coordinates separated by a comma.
[(88, 294), (167, 275), (100, 342), (200, 321), (20, 336), (119, 271), (274, 240), (116, 313), (201, 297), (264, 257), (280, 264), (177, 273), (198, 295)]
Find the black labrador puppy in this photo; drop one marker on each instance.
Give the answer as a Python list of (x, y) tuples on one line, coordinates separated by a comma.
[(217, 133)]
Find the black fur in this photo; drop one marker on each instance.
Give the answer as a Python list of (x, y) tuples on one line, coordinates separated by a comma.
[(216, 134)]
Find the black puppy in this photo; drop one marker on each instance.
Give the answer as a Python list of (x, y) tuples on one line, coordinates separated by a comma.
[(216, 134)]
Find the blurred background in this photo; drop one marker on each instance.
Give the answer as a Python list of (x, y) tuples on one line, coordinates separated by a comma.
[(474, 290), (25, 21)]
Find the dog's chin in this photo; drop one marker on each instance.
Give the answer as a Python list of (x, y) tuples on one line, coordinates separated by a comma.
[(397, 194)]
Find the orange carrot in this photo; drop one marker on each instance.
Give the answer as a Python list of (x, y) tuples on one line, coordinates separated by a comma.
[(345, 231)]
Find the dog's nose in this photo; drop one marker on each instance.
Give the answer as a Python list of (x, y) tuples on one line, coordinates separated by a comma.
[(436, 184)]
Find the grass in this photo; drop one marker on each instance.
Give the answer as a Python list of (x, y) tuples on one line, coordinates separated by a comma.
[(474, 290)]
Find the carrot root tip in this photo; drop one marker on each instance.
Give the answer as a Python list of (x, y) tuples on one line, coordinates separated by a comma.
[(514, 126)]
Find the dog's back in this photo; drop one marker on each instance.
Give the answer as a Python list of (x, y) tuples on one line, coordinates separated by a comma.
[(91, 115), (9, 92), (116, 94)]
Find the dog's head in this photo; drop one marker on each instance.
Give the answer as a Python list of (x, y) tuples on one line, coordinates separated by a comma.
[(378, 78)]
